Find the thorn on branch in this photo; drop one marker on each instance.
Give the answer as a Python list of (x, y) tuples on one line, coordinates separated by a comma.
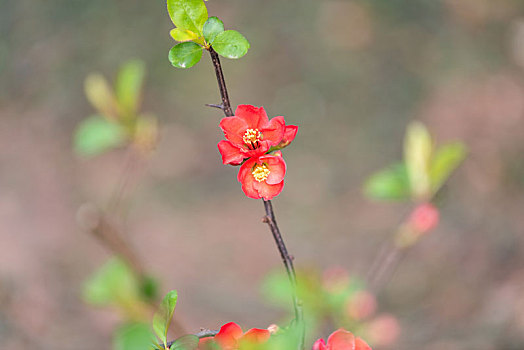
[(265, 219), (219, 106)]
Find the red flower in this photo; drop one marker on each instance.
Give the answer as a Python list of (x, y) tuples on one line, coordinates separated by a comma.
[(250, 133), (341, 340), (263, 176), (230, 337)]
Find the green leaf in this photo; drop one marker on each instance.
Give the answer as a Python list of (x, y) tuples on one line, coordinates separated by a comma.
[(186, 342), (183, 35), (129, 84), (162, 319), (389, 184), (231, 44), (96, 134), (134, 336), (418, 147), (446, 160), (101, 96), (185, 55), (188, 14), (113, 284), (212, 28), (149, 288)]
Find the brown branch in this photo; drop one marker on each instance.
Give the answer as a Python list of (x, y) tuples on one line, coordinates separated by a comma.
[(270, 215), (226, 104), (290, 269), (95, 222)]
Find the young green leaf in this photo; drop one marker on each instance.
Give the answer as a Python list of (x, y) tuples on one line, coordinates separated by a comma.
[(212, 28), (446, 160), (186, 342), (188, 14), (185, 55), (230, 44), (418, 147), (134, 336), (129, 84), (113, 284), (101, 96), (162, 319), (96, 134), (389, 184), (183, 35)]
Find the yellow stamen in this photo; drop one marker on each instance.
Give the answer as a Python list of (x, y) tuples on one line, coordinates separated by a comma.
[(252, 136), (260, 172)]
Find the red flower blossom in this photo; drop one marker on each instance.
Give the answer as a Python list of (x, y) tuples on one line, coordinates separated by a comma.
[(230, 337), (341, 340), (263, 176), (250, 133)]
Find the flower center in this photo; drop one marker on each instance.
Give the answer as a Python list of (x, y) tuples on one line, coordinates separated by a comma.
[(260, 172), (252, 137)]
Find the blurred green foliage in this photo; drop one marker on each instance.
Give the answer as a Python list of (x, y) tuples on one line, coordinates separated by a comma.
[(115, 285), (331, 299), (424, 170), (118, 121)]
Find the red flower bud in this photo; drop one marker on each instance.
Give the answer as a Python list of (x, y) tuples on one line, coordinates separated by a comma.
[(424, 218)]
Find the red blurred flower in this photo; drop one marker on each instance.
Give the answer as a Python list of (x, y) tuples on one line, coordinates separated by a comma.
[(424, 218), (263, 176), (341, 340), (231, 336), (250, 133)]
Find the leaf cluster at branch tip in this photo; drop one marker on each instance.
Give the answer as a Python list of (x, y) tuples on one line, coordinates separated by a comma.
[(196, 32)]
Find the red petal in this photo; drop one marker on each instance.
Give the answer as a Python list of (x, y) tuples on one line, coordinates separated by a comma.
[(255, 117), (267, 191), (319, 345), (247, 180), (234, 129), (290, 133), (361, 345), (249, 187), (256, 336), (228, 335), (341, 340), (277, 168), (230, 153), (274, 130), (246, 169)]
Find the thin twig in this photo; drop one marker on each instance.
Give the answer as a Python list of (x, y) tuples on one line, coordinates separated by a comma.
[(214, 105), (290, 269), (226, 104), (270, 215), (95, 222)]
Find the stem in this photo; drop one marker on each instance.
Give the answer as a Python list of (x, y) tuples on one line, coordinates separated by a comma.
[(290, 269), (270, 215), (226, 104)]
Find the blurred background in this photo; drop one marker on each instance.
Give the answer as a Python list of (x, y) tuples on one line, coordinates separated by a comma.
[(351, 74)]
